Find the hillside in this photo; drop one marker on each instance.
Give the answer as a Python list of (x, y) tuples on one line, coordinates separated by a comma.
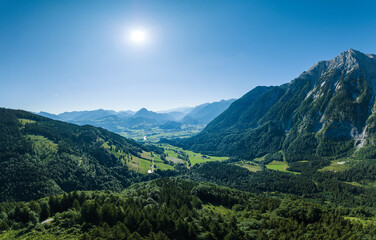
[(206, 112), (327, 112), (172, 208), (41, 156)]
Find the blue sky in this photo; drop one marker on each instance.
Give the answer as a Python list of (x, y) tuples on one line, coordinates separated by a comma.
[(58, 56)]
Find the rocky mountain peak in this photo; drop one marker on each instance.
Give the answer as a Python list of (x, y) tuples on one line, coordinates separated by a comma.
[(349, 63), (330, 106), (348, 59)]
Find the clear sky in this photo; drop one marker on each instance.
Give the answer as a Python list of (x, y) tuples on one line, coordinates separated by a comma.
[(58, 56)]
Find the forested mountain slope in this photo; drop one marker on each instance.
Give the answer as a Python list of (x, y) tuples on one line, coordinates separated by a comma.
[(171, 208), (328, 111), (41, 156)]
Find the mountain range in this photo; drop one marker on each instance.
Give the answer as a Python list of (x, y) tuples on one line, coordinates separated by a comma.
[(302, 165), (144, 119), (328, 111)]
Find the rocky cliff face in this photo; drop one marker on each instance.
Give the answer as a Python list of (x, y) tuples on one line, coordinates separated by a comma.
[(328, 111)]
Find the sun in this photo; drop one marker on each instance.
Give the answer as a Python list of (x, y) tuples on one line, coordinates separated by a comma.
[(138, 36)]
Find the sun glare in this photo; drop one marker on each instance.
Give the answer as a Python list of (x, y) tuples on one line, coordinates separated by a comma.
[(138, 36)]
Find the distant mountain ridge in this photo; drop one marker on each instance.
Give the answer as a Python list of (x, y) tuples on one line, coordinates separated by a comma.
[(144, 113), (206, 112), (328, 111), (80, 115), (144, 119)]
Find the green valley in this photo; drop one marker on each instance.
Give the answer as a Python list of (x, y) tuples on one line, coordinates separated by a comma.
[(295, 161)]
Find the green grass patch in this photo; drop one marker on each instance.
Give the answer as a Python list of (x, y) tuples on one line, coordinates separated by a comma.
[(163, 166), (337, 166), (217, 209), (174, 154), (139, 165), (195, 158), (25, 121), (42, 147), (260, 159), (252, 168), (119, 154), (279, 166), (144, 165), (175, 160), (60, 234)]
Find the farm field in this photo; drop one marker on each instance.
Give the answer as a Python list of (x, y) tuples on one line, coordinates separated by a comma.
[(194, 158), (250, 167), (279, 166), (173, 157), (338, 165)]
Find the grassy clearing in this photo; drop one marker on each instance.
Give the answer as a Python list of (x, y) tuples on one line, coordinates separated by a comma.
[(195, 158), (175, 160), (143, 164), (218, 209), (132, 165), (260, 159), (163, 166), (37, 235), (174, 154), (136, 164), (157, 161), (25, 121), (119, 154), (252, 168), (42, 147), (278, 166), (337, 166), (170, 151)]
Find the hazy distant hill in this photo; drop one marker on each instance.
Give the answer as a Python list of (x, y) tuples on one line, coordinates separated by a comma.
[(78, 116), (177, 116), (158, 117), (147, 122), (206, 112), (328, 111), (49, 115), (41, 156)]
